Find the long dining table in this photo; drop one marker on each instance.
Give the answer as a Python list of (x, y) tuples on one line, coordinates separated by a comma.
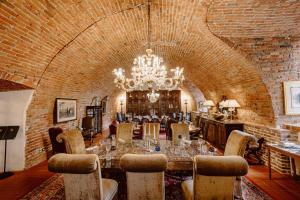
[(179, 157)]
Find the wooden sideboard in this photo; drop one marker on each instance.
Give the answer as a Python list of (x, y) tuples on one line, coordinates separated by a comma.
[(217, 132)]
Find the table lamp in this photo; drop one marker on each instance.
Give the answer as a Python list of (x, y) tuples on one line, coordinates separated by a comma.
[(208, 104), (231, 104)]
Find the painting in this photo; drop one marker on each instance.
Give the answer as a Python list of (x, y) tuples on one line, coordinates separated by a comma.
[(65, 110), (292, 97)]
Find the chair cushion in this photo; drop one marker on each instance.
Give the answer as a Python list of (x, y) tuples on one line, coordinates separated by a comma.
[(187, 187), (220, 165), (110, 188), (144, 163), (73, 163)]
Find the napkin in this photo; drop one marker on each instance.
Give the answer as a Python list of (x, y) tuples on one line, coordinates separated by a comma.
[(121, 141), (187, 141)]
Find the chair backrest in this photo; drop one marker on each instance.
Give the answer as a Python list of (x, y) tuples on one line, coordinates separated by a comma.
[(145, 120), (168, 126), (155, 120), (145, 176), (179, 129), (188, 117), (214, 176), (73, 140), (136, 120), (56, 146), (82, 175), (125, 132), (87, 123), (260, 142), (119, 117), (180, 116), (151, 127), (237, 142)]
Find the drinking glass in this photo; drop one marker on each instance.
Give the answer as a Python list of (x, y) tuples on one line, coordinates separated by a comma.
[(108, 146), (204, 148)]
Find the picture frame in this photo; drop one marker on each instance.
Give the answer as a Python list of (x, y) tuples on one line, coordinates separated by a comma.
[(292, 97), (65, 110)]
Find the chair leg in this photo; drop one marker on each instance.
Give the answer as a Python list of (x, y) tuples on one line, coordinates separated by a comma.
[(238, 188)]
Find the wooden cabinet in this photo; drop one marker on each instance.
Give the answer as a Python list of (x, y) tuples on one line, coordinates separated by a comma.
[(96, 113), (217, 132), (138, 104)]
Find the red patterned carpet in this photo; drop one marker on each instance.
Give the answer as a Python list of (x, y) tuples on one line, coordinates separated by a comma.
[(53, 189)]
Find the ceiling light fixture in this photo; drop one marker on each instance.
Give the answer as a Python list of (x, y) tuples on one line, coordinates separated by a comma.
[(148, 72)]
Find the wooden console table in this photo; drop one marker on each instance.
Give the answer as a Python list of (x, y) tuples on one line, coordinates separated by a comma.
[(217, 132), (293, 153)]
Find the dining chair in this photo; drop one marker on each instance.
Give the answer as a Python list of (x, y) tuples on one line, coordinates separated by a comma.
[(151, 127), (236, 145), (145, 176), (82, 177), (237, 142), (73, 140), (57, 147), (125, 132), (168, 127), (214, 177), (179, 129)]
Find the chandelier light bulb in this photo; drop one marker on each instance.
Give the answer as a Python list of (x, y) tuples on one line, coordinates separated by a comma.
[(148, 72)]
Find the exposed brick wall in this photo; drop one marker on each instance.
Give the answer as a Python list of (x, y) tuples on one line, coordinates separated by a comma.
[(69, 48), (279, 162), (278, 60), (6, 85)]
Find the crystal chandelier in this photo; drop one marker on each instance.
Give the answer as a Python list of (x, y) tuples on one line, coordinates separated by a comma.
[(153, 96), (148, 72)]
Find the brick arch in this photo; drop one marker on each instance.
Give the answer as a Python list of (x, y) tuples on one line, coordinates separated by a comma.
[(70, 48)]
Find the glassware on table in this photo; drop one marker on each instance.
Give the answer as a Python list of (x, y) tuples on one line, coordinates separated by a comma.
[(212, 151), (204, 148)]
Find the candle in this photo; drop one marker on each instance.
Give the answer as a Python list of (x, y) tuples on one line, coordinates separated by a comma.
[(154, 132), (149, 133)]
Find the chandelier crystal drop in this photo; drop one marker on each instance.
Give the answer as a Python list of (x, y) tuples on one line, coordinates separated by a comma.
[(148, 72), (153, 96)]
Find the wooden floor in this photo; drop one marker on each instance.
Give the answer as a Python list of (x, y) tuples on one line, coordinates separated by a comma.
[(280, 187)]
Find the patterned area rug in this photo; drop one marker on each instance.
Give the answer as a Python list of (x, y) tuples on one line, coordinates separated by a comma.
[(53, 189)]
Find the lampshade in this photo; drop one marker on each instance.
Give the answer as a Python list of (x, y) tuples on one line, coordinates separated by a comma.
[(208, 103), (231, 103)]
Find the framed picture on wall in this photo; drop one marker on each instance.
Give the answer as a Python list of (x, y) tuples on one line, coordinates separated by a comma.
[(292, 97), (65, 110)]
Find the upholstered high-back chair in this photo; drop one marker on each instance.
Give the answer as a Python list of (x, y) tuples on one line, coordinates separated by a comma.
[(73, 140), (82, 177), (145, 176), (125, 132), (57, 147), (151, 127), (237, 143), (179, 129), (214, 177)]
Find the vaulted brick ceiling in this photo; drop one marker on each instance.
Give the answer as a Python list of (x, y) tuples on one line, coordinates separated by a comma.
[(72, 46)]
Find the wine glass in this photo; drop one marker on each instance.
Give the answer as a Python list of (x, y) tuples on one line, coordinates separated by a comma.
[(108, 146)]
